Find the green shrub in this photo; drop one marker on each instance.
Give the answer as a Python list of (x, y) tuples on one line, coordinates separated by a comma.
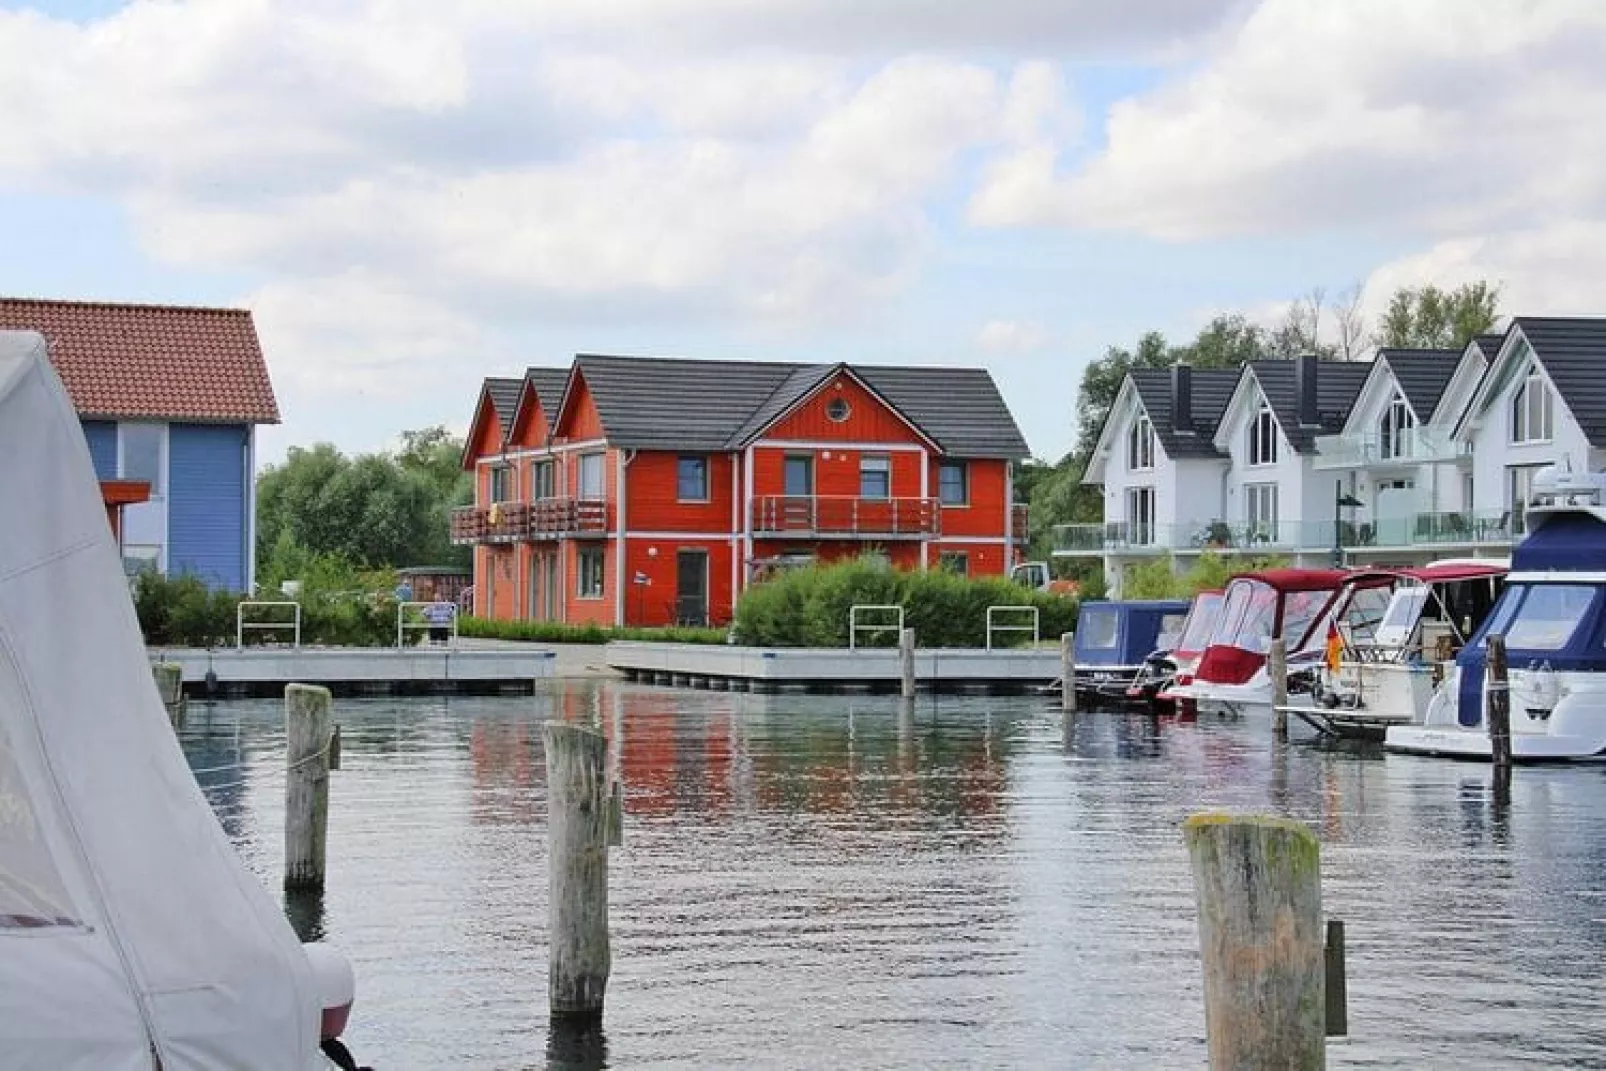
[(809, 607), (557, 632)]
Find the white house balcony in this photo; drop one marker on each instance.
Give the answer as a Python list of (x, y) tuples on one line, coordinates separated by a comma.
[(1411, 446), (1442, 530)]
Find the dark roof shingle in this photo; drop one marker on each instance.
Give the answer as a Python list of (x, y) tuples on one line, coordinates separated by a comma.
[(1211, 388), (1422, 375), (1337, 384), (549, 385), (504, 400), (161, 362), (1573, 353)]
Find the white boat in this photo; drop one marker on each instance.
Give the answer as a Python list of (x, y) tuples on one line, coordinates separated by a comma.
[(1552, 616), (131, 934), (1382, 670)]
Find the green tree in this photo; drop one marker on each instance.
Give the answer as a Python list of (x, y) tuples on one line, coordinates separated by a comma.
[(1430, 318)]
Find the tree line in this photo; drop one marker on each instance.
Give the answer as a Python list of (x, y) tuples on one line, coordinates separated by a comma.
[(1414, 318)]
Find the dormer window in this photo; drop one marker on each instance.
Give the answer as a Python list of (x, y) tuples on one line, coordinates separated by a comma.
[(1263, 437), (1140, 444), (1533, 410), (1394, 431)]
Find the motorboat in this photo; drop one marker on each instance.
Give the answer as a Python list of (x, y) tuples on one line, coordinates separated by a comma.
[(1162, 669), (1293, 605), (1115, 639), (1381, 670), (132, 935), (1552, 616)]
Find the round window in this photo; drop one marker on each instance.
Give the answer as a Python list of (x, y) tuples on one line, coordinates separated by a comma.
[(838, 410)]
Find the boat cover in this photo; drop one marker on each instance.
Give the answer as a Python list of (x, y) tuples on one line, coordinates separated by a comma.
[(1124, 633), (1571, 541), (131, 935)]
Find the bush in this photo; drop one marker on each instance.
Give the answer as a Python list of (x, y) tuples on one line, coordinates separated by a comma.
[(809, 607), (182, 611), (557, 632)]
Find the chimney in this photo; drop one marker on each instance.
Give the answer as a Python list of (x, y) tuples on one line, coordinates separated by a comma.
[(1305, 390), (1182, 398)]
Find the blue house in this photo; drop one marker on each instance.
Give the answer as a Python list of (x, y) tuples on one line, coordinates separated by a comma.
[(170, 399)]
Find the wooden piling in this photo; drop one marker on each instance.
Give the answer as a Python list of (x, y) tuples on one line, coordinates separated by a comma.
[(334, 748), (1499, 706), (169, 678), (1277, 672), (1257, 880), (1337, 984), (1068, 672), (306, 784), (906, 662), (581, 821)]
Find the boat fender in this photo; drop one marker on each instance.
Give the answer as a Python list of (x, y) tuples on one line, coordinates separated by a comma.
[(339, 1055)]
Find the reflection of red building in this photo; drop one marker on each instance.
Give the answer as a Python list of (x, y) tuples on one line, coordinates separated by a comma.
[(648, 491)]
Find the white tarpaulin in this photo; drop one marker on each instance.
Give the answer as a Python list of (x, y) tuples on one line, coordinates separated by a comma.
[(131, 935)]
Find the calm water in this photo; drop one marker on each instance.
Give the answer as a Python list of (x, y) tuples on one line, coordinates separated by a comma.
[(821, 882)]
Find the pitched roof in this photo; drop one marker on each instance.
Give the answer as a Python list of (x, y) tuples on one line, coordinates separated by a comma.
[(1573, 353), (161, 362), (1211, 388), (1422, 375), (504, 399), (1489, 345), (672, 403), (549, 385), (1337, 384)]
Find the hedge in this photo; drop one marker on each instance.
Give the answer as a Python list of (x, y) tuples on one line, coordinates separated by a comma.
[(555, 632), (183, 612), (809, 607)]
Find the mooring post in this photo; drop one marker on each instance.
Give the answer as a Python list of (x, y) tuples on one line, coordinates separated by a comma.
[(1257, 880), (1277, 671), (334, 748), (1068, 672), (307, 725), (1499, 706), (906, 662), (582, 819), (1337, 983), (169, 677)]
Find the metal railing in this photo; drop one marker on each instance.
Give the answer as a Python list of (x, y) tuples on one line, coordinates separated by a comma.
[(846, 515), (854, 627), (546, 518), (242, 626), (1020, 523), (992, 626), (1408, 446), (405, 625), (1442, 528)]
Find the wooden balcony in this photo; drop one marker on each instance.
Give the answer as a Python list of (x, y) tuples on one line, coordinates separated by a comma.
[(846, 517), (1019, 518), (524, 522)]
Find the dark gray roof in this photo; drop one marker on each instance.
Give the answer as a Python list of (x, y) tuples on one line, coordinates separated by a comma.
[(1212, 390), (1490, 345), (549, 384), (504, 399), (1422, 376), (1573, 353), (1337, 385), (671, 403)]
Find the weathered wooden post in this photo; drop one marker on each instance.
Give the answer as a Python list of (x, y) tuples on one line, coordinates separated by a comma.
[(1277, 671), (582, 819), (1337, 983), (169, 678), (1499, 706), (1258, 884), (334, 748), (1068, 672), (906, 662), (306, 784)]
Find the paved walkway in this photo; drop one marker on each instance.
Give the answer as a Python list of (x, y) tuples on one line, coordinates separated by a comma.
[(574, 659)]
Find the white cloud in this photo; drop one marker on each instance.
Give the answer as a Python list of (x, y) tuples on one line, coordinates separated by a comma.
[(1557, 270), (1011, 336)]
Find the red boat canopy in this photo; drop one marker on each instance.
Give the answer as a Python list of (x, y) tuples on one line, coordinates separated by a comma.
[(1451, 572), (1298, 579)]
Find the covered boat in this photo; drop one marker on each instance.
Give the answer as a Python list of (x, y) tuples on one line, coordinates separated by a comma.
[(1552, 615), (1163, 669), (131, 934), (1113, 639)]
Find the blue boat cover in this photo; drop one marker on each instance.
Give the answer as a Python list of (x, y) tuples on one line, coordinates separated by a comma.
[(1123, 633), (1562, 542)]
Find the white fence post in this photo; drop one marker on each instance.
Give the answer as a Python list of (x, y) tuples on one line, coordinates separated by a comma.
[(854, 628), (1032, 628), (241, 624)]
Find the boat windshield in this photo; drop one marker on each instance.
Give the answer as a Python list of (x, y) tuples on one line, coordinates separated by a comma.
[(1201, 622), (1403, 612), (1299, 611), (1170, 630), (1098, 628), (1549, 616), (1248, 616)]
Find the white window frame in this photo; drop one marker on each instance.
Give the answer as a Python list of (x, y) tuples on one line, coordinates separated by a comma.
[(1140, 444), (584, 588), (599, 478), (875, 463), (509, 491), (1533, 411), (1262, 437), (1395, 427), (163, 432), (1261, 503), (707, 478), (1140, 506), (963, 468)]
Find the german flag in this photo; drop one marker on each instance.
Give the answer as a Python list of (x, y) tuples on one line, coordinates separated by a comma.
[(1335, 646)]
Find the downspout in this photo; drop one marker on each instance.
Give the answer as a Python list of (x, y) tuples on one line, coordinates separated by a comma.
[(925, 492), (1009, 516), (250, 507), (736, 529), (747, 516), (622, 460)]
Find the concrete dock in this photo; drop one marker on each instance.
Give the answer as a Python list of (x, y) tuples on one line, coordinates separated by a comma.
[(256, 671), (770, 669)]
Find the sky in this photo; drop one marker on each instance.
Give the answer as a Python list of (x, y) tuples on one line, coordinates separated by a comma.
[(411, 195)]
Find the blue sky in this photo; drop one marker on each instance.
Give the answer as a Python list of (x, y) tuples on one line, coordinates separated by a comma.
[(410, 200)]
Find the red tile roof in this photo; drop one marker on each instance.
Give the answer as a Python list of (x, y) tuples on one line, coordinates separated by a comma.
[(152, 361)]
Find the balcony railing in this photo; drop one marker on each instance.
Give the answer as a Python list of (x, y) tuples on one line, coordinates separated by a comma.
[(1412, 446), (1438, 529), (510, 522), (1019, 519), (804, 516)]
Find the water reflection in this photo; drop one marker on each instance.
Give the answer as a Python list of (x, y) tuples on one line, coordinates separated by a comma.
[(576, 1046), (863, 881)]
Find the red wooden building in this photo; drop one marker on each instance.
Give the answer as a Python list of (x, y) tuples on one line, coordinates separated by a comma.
[(648, 491)]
